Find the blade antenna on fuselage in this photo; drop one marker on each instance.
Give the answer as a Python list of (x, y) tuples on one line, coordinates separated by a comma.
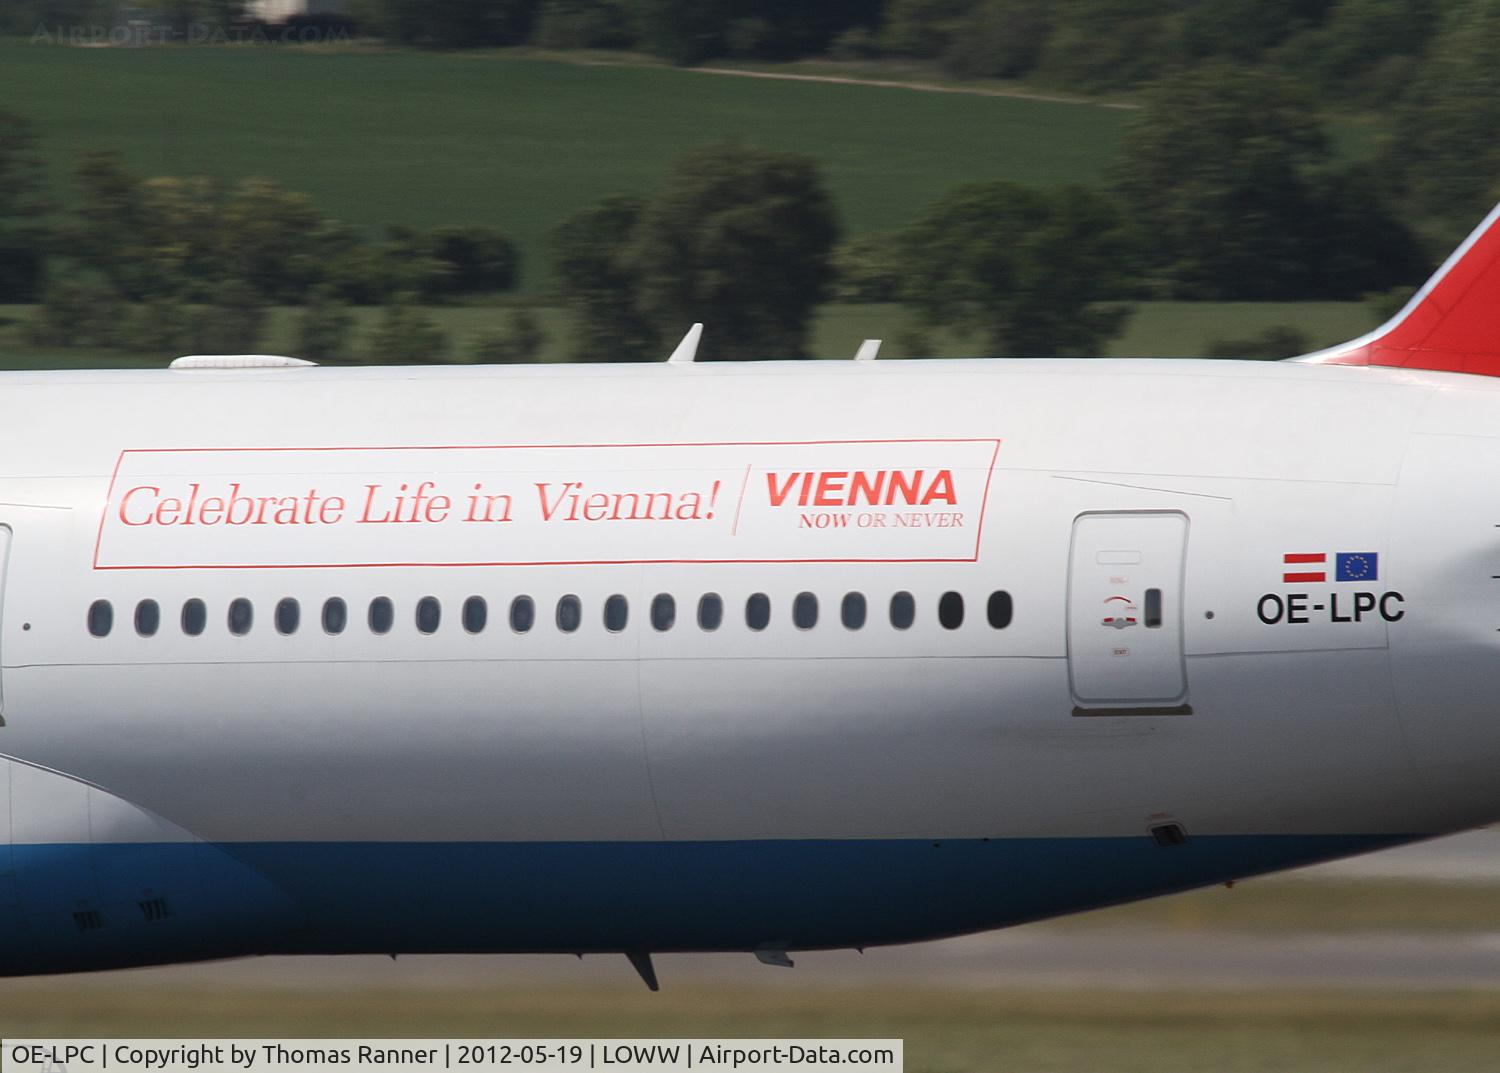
[(687, 350), (640, 960)]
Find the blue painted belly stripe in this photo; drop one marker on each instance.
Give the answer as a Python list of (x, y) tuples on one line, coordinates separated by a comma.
[(394, 897)]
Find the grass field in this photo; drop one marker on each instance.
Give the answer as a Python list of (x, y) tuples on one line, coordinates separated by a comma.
[(1158, 329), (1279, 905), (423, 139)]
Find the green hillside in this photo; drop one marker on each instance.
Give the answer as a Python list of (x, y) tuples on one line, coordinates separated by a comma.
[(424, 139)]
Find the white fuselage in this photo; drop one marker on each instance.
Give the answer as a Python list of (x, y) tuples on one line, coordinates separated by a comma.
[(728, 788)]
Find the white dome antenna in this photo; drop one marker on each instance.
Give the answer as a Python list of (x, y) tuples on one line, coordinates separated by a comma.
[(239, 361)]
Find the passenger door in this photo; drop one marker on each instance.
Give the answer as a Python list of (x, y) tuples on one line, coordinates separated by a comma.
[(1125, 589), (5, 535)]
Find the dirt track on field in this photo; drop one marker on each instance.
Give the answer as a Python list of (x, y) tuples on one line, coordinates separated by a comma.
[(881, 83)]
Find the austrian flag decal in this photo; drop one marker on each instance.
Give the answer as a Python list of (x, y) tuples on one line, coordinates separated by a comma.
[(1311, 567)]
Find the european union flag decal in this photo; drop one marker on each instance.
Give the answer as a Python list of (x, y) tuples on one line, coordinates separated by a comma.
[(1356, 566)]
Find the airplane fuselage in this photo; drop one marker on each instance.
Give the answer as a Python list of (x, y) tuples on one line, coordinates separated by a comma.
[(761, 657)]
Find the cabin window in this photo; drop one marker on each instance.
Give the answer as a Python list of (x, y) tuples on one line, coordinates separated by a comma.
[(951, 610), (903, 610), (663, 612), (288, 616), (147, 618), (101, 618), (710, 612), (758, 611), (522, 614), (335, 616), (194, 617), (805, 611), (616, 613), (999, 610), (475, 614), (569, 613), (852, 611), (429, 614), (382, 614), (241, 616)]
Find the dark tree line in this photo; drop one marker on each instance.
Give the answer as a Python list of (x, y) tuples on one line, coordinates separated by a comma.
[(744, 239), (1355, 50), (1231, 174), (24, 233), (737, 237), (681, 31), (185, 238), (176, 264)]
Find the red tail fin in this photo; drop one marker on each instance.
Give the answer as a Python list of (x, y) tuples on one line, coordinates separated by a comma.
[(1452, 324)]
